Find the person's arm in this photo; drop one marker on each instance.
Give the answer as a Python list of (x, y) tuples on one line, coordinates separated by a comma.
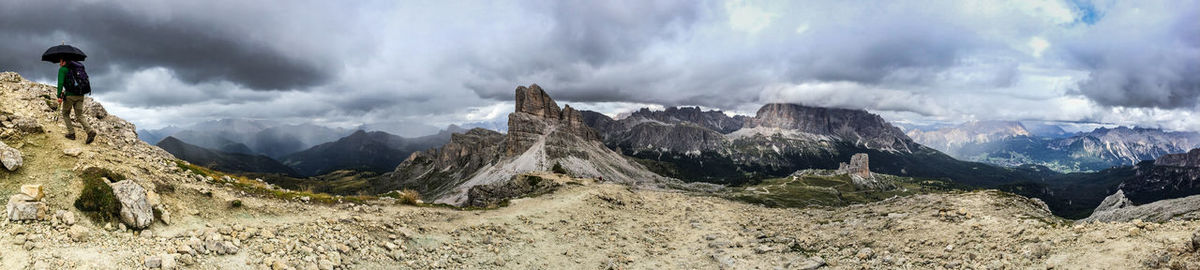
[(62, 74)]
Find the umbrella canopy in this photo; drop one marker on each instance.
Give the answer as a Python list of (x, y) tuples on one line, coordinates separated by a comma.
[(67, 52)]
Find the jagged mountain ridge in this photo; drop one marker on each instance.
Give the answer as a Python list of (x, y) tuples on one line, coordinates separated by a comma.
[(1091, 151), (223, 161), (540, 136), (778, 140)]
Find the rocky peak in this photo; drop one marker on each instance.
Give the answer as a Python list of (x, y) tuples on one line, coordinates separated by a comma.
[(537, 115), (533, 100), (857, 126), (1189, 159)]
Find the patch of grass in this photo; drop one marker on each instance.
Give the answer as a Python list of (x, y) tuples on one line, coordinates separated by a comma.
[(834, 190), (97, 200), (248, 185), (406, 196)]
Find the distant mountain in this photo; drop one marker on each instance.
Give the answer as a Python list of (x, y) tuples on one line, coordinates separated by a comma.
[(498, 126), (223, 161), (951, 140), (155, 135), (1011, 144), (375, 151), (261, 137), (1044, 129)]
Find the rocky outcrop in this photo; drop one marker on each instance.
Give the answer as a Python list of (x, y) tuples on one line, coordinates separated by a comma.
[(858, 166), (136, 211), (437, 171), (493, 194), (860, 173), (540, 136), (1112, 202), (10, 157), (1117, 208)]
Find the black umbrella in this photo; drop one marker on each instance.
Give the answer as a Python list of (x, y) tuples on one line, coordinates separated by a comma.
[(66, 52)]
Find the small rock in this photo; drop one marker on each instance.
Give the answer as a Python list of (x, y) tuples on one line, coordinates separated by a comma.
[(66, 217), (78, 233), (34, 191), (865, 253), (10, 157), (168, 261), (153, 262), (806, 264), (74, 152), (325, 265)]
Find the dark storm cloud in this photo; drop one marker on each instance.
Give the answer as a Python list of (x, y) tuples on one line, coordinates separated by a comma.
[(1139, 61), (583, 36), (193, 46)]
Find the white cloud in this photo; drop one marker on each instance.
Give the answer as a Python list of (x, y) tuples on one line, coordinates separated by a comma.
[(744, 16)]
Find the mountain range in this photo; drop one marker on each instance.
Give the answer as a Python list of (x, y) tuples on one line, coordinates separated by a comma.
[(248, 136), (375, 151), (224, 161), (1010, 143), (305, 150)]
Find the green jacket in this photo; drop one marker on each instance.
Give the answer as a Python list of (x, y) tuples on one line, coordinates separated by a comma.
[(62, 77)]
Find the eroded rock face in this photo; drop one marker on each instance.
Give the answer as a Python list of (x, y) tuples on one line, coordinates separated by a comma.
[(858, 126), (10, 157), (136, 211), (1189, 159)]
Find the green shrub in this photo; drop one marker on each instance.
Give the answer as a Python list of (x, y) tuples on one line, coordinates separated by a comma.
[(558, 168), (406, 196), (97, 199), (236, 204)]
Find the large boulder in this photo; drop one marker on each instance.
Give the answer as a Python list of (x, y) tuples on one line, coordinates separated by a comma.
[(136, 211), (23, 207), (10, 157), (27, 125)]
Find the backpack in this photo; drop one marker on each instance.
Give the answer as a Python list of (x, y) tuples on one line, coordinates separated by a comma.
[(76, 81)]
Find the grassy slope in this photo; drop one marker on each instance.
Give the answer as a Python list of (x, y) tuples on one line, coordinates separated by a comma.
[(836, 190)]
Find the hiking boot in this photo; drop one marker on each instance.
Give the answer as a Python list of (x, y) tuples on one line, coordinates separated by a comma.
[(91, 137), (70, 136)]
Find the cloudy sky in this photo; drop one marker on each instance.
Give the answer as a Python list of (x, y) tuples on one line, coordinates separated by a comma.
[(419, 65)]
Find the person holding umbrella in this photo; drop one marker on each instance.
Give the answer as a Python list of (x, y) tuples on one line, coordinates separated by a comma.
[(72, 85)]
